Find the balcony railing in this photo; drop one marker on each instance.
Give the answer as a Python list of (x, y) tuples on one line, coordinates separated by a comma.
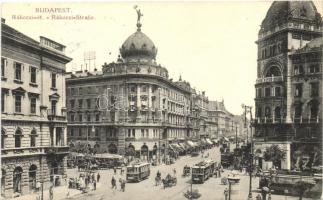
[(57, 150), (268, 120), (306, 120), (270, 79), (52, 116)]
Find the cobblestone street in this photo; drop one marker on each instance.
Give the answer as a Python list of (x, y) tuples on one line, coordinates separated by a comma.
[(212, 189)]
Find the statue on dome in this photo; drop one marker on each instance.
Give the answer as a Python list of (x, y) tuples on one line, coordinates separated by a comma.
[(139, 14)]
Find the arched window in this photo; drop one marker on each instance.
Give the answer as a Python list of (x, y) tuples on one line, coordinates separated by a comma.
[(277, 113), (33, 136), (32, 177), (3, 135), (314, 106), (17, 175), (144, 150), (267, 112), (112, 148), (18, 135), (259, 112), (130, 151), (273, 71), (298, 110)]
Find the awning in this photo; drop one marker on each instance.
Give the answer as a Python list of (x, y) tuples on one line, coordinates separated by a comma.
[(209, 141), (107, 155), (179, 148), (203, 141), (183, 145), (190, 144)]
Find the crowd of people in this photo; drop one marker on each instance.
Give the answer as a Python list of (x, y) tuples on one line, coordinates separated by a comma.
[(84, 181)]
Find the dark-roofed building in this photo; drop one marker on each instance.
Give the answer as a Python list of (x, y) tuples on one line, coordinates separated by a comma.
[(131, 108), (33, 114), (289, 84)]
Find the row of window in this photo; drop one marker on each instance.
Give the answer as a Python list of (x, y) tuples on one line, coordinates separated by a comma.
[(18, 71), (272, 50), (298, 69), (18, 103), (80, 117), (314, 89), (18, 137), (77, 132), (269, 92)]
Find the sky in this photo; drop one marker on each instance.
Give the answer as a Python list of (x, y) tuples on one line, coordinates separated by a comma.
[(210, 44)]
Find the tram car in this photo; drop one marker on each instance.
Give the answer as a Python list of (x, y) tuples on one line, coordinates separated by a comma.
[(203, 170), (137, 172)]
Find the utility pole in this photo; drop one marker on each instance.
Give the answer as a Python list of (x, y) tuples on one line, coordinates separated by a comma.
[(249, 109)]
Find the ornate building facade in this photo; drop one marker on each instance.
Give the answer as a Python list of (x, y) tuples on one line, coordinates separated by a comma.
[(132, 107), (33, 118), (289, 83)]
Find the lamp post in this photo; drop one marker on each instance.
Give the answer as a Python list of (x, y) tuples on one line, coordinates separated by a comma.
[(246, 110), (230, 181)]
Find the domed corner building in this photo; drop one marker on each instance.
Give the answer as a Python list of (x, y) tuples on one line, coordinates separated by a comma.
[(289, 85), (132, 107)]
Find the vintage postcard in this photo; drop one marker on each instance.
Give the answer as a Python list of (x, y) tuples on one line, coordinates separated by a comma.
[(214, 100)]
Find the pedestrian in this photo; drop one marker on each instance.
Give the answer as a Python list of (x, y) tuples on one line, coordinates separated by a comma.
[(226, 194), (174, 170), (51, 194), (94, 185), (93, 177), (115, 170), (98, 177), (258, 197), (37, 186), (123, 186), (113, 183), (120, 181)]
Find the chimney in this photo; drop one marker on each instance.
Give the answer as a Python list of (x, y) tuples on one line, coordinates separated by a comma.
[(3, 20)]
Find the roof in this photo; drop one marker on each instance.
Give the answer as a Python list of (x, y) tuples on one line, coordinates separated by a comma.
[(139, 164), (282, 11), (138, 44)]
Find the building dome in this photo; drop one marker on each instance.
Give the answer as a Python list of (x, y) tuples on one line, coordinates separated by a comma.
[(282, 11), (138, 45)]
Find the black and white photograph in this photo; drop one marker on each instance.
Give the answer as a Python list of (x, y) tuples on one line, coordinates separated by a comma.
[(161, 100)]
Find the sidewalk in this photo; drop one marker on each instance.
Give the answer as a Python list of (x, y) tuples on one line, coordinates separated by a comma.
[(60, 192)]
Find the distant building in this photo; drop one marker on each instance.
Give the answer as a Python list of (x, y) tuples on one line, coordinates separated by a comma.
[(289, 84), (33, 113), (222, 123), (131, 107)]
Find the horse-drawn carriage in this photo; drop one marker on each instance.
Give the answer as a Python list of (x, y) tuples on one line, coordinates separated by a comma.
[(169, 181), (186, 171)]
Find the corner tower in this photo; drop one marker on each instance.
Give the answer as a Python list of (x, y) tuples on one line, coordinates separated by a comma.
[(287, 27)]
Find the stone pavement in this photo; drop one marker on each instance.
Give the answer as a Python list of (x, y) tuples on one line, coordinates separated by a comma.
[(60, 192)]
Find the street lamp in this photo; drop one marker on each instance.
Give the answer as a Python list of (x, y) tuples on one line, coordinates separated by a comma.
[(246, 110), (230, 181)]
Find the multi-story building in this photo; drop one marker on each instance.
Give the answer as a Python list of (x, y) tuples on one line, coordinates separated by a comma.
[(131, 107), (223, 123), (289, 82), (33, 121)]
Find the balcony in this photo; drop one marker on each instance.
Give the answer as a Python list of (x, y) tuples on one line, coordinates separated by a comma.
[(52, 116), (270, 79), (130, 139), (56, 150), (296, 120), (303, 120)]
